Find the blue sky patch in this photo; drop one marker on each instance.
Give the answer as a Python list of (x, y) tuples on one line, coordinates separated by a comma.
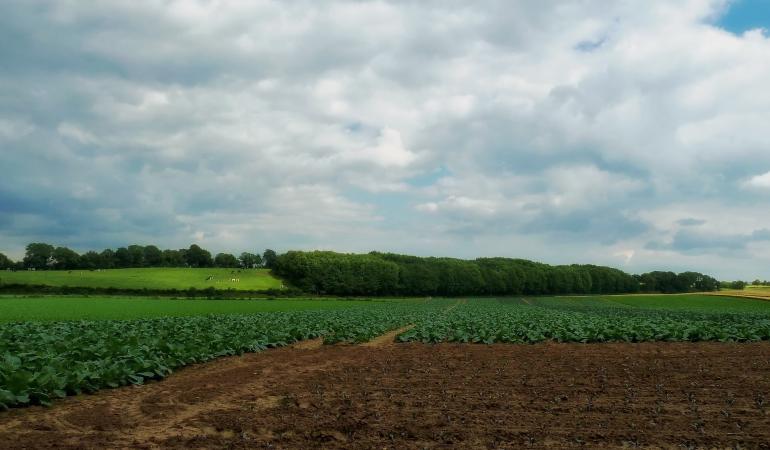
[(744, 15)]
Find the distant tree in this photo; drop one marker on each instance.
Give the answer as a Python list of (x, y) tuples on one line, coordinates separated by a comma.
[(269, 257), (250, 260), (226, 260), (153, 257), (756, 283), (38, 255), (122, 258), (198, 257), (173, 258), (183, 254), (90, 260), (740, 285), (5, 262), (136, 253), (65, 259), (108, 260)]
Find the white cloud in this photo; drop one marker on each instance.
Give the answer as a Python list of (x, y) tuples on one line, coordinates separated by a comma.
[(759, 181), (597, 125), (389, 150)]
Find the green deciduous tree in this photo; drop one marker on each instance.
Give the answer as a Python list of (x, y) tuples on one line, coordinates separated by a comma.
[(392, 274), (108, 259), (153, 257), (65, 259), (5, 262), (90, 260), (198, 257), (226, 260), (250, 260), (268, 258), (38, 255), (136, 255)]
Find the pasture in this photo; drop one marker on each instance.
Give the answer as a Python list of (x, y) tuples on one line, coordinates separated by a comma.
[(149, 278)]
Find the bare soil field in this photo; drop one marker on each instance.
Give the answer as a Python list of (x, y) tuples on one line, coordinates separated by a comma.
[(420, 396)]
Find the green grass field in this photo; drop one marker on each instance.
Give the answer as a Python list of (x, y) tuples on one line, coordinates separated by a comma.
[(150, 278), (17, 309)]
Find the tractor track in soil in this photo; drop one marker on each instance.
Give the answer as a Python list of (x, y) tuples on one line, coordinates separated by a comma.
[(428, 396)]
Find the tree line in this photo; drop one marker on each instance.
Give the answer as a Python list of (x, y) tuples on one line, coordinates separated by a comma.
[(325, 272), (42, 256)]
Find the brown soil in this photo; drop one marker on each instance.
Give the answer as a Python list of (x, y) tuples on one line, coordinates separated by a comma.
[(310, 344), (420, 396)]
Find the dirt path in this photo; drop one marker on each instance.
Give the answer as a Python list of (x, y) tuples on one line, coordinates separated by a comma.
[(388, 338), (310, 344), (420, 396)]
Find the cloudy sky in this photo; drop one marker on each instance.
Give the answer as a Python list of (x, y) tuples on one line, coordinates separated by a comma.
[(632, 134)]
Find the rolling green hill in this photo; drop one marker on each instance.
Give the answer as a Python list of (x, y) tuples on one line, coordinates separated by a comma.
[(150, 278)]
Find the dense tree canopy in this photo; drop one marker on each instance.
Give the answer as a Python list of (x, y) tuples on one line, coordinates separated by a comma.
[(250, 260), (38, 255), (42, 256), (64, 259), (669, 282), (269, 257), (740, 285), (226, 260), (153, 257), (392, 274), (198, 257), (375, 273), (5, 262)]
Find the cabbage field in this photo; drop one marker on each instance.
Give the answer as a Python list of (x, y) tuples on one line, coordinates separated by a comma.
[(41, 360), (596, 320)]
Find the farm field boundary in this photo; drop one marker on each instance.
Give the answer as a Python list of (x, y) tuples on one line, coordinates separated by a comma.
[(210, 292)]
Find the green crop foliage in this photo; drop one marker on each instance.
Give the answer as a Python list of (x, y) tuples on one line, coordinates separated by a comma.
[(600, 319), (43, 360)]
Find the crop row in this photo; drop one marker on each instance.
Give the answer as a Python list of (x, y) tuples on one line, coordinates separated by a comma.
[(490, 322), (41, 361)]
